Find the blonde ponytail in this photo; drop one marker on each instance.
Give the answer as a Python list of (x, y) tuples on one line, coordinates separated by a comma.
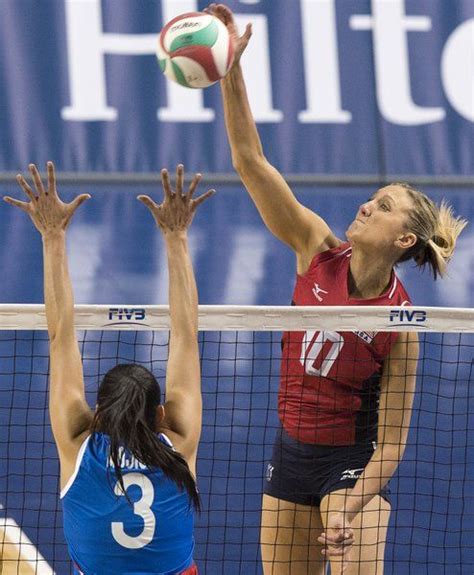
[(437, 229)]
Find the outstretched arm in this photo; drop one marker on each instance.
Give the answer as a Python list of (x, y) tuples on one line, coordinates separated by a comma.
[(183, 406), (70, 415), (300, 228)]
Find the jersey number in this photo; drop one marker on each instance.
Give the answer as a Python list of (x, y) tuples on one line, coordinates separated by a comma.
[(142, 507), (322, 350)]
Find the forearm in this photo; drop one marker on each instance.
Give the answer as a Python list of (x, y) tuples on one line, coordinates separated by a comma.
[(241, 129), (281, 212), (183, 298), (376, 475), (395, 407), (58, 294), (66, 379)]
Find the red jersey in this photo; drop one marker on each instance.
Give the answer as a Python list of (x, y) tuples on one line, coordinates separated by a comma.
[(330, 381)]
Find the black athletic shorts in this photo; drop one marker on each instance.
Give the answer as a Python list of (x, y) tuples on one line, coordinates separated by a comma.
[(304, 473)]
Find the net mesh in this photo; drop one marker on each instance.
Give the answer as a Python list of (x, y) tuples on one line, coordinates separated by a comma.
[(432, 493)]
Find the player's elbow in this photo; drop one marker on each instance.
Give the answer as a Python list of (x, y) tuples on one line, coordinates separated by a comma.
[(393, 450), (247, 161), (185, 339), (61, 332), (53, 337), (56, 340)]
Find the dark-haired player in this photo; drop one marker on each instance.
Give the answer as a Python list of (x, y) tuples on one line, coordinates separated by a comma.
[(128, 471)]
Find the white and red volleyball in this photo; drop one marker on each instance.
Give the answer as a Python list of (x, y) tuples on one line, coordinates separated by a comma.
[(195, 50)]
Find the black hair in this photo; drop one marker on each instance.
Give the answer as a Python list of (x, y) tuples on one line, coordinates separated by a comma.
[(127, 400)]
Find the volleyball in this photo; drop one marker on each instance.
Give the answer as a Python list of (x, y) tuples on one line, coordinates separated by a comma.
[(195, 50)]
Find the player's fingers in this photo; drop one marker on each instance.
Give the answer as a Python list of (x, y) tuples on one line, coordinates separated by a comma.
[(326, 540), (225, 15), (334, 552), (339, 534), (76, 202), (203, 198), (333, 549), (179, 179), (192, 187), (36, 179), (227, 12), (26, 188), (210, 8), (22, 205), (51, 179), (335, 540), (247, 34), (328, 555), (165, 180), (333, 534), (147, 201)]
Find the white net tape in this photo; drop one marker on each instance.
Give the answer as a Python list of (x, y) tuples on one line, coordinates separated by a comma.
[(251, 318)]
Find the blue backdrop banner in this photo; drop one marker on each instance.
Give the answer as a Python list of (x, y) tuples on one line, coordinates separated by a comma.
[(337, 87), (117, 255)]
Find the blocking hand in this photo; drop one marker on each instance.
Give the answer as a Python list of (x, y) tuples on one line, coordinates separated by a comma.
[(47, 211), (177, 210)]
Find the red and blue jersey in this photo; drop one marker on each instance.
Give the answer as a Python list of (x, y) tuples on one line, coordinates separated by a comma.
[(330, 381), (107, 534)]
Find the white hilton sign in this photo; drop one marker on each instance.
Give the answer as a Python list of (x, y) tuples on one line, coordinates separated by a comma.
[(388, 23)]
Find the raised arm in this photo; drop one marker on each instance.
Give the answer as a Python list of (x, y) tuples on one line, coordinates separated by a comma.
[(69, 412), (183, 407), (303, 230)]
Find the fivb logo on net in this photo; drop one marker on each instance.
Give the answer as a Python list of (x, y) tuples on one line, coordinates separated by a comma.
[(408, 316), (321, 41), (126, 316)]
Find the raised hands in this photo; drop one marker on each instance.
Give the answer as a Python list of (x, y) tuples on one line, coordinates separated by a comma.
[(177, 210), (45, 208), (226, 16)]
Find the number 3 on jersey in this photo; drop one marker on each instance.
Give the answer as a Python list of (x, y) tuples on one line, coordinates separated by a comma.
[(142, 507), (319, 351)]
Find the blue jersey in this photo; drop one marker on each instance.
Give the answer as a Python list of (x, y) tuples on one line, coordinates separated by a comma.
[(106, 534)]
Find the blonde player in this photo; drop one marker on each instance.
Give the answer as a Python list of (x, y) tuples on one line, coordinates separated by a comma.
[(345, 398)]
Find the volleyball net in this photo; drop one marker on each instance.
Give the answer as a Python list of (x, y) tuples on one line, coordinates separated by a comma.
[(432, 493)]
